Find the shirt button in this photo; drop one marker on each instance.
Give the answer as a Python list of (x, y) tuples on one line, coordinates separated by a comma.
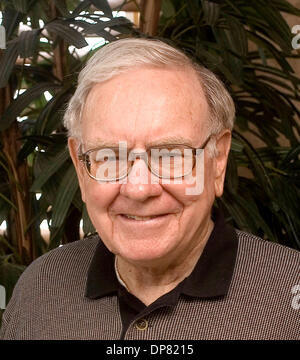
[(141, 324)]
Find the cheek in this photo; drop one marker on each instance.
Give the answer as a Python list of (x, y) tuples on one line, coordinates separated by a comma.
[(99, 197), (198, 185), (203, 201)]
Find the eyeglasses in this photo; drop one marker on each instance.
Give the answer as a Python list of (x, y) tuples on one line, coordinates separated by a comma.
[(166, 162)]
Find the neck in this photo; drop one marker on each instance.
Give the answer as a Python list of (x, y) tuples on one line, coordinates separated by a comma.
[(148, 282)]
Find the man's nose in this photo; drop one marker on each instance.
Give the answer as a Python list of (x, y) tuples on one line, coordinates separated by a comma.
[(140, 184)]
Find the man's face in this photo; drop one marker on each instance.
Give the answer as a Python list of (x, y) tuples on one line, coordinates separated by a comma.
[(149, 106)]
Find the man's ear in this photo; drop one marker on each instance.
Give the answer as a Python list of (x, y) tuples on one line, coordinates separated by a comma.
[(223, 142), (73, 145)]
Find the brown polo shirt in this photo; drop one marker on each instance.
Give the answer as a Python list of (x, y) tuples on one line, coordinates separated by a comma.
[(210, 278), (241, 288)]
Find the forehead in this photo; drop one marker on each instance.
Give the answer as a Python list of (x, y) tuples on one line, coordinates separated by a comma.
[(146, 105)]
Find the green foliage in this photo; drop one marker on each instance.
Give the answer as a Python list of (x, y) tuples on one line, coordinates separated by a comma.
[(10, 268), (248, 44), (28, 66)]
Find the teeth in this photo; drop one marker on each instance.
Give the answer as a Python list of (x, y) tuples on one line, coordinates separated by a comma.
[(139, 217)]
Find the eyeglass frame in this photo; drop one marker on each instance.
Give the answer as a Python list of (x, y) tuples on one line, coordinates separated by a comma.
[(84, 158)]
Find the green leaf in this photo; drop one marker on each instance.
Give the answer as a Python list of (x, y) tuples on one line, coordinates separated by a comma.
[(65, 194), (11, 20), (215, 63), (274, 71), (49, 189), (22, 101), (275, 81), (54, 164), (257, 166), (292, 155), (77, 200), (285, 6), (211, 12), (62, 7), (82, 6), (237, 36), (236, 145), (235, 212), (101, 25), (232, 174), (48, 119), (106, 35), (9, 275), (56, 236), (88, 227), (103, 6), (194, 10), (275, 21), (168, 9), (251, 209), (21, 5), (8, 201), (38, 73), (28, 41), (118, 24), (7, 62), (267, 45), (70, 35)]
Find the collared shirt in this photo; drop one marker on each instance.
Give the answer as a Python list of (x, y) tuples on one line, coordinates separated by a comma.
[(210, 277), (242, 287)]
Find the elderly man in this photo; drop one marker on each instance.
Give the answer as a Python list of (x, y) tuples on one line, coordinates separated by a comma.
[(149, 135)]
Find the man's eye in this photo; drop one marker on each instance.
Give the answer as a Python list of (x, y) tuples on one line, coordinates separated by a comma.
[(171, 155), (111, 158), (103, 159), (106, 156)]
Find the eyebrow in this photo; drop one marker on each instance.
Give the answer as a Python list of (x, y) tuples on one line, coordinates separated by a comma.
[(99, 143), (172, 140), (169, 140)]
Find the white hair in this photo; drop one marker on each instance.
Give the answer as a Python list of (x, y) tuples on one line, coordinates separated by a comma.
[(121, 55)]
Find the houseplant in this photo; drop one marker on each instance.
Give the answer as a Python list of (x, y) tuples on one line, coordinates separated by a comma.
[(247, 44)]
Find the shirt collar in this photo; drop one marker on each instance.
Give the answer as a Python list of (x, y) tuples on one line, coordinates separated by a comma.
[(101, 277), (211, 276)]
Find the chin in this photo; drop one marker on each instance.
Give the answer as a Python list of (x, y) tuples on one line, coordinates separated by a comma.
[(144, 251)]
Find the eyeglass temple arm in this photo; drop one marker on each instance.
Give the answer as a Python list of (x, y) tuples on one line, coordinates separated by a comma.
[(206, 142), (80, 154)]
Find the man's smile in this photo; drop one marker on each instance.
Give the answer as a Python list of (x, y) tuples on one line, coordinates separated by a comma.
[(143, 220)]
